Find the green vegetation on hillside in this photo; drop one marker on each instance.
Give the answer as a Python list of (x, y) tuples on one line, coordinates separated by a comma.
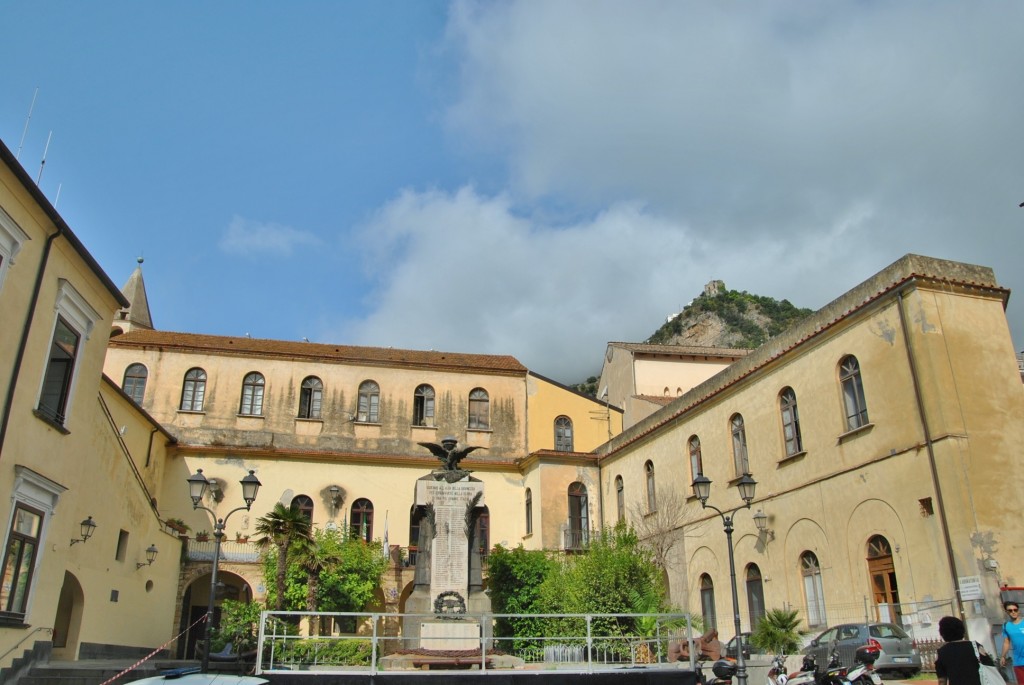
[(739, 311)]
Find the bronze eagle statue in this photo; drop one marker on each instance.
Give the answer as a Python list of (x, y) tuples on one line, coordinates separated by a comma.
[(447, 452)]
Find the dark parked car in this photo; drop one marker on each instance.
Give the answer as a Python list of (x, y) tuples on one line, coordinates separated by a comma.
[(730, 647), (898, 655)]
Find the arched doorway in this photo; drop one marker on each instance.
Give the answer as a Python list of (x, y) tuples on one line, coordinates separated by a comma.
[(882, 571), (195, 602), (68, 619)]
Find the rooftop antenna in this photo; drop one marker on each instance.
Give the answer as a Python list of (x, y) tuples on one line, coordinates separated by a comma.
[(25, 132), (57, 199), (43, 163)]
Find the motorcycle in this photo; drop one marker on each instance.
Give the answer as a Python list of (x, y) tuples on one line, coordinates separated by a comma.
[(863, 671), (834, 673), (777, 673), (723, 670)]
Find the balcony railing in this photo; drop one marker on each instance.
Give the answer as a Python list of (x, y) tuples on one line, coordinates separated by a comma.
[(576, 540), (229, 551)]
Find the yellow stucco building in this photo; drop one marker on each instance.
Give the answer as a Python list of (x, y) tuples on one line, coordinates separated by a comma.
[(882, 433)]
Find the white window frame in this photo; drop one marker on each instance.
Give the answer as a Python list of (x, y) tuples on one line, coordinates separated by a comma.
[(38, 492), (80, 316), (11, 240)]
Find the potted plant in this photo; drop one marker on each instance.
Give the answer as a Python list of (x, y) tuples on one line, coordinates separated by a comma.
[(202, 536), (177, 525), (241, 537)]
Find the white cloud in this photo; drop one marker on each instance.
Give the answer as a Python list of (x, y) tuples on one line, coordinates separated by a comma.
[(466, 273), (790, 149), (252, 238), (772, 125)]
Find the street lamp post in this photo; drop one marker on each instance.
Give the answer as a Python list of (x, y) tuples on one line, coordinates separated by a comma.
[(197, 486), (746, 485)]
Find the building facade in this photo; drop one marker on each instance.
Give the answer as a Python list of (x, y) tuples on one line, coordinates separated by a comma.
[(78, 460), (882, 433)]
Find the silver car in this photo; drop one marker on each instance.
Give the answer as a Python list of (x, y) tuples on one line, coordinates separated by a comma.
[(898, 655)]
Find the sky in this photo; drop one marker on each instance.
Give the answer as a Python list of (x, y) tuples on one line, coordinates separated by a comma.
[(531, 178)]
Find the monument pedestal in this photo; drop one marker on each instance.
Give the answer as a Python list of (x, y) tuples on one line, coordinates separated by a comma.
[(436, 634)]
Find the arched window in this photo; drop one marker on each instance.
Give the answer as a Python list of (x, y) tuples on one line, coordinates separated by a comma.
[(666, 391), (529, 511), (755, 595), (193, 390), (814, 592), (479, 409), (563, 434), (310, 397), (361, 523), (134, 384), (252, 395), (620, 499), (853, 393), (369, 402), (579, 518), (304, 505), (423, 406), (707, 602), (739, 445), (696, 461), (790, 422), (652, 498)]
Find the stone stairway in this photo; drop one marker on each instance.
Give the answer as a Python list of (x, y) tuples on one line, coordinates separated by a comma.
[(95, 672)]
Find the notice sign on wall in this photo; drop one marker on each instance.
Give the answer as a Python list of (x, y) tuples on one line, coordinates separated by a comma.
[(970, 587)]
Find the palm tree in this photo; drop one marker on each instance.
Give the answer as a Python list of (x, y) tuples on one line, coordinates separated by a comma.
[(315, 559), (281, 527)]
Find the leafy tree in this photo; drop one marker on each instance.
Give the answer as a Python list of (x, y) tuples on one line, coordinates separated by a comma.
[(599, 582), (315, 558), (280, 528), (516, 576), (238, 621), (348, 575), (778, 632)]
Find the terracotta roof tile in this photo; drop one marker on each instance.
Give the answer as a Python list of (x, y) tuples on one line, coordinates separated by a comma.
[(374, 356)]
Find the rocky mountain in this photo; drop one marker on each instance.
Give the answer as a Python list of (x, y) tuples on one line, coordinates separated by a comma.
[(720, 317)]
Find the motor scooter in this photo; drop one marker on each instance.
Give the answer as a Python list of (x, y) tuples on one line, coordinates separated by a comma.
[(863, 671), (723, 672), (809, 674), (777, 673)]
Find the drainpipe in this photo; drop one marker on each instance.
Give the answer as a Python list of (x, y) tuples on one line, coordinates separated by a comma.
[(149, 450), (931, 454), (23, 344)]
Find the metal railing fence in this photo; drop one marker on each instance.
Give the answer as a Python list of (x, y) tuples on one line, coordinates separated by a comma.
[(367, 643), (920, 620)]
